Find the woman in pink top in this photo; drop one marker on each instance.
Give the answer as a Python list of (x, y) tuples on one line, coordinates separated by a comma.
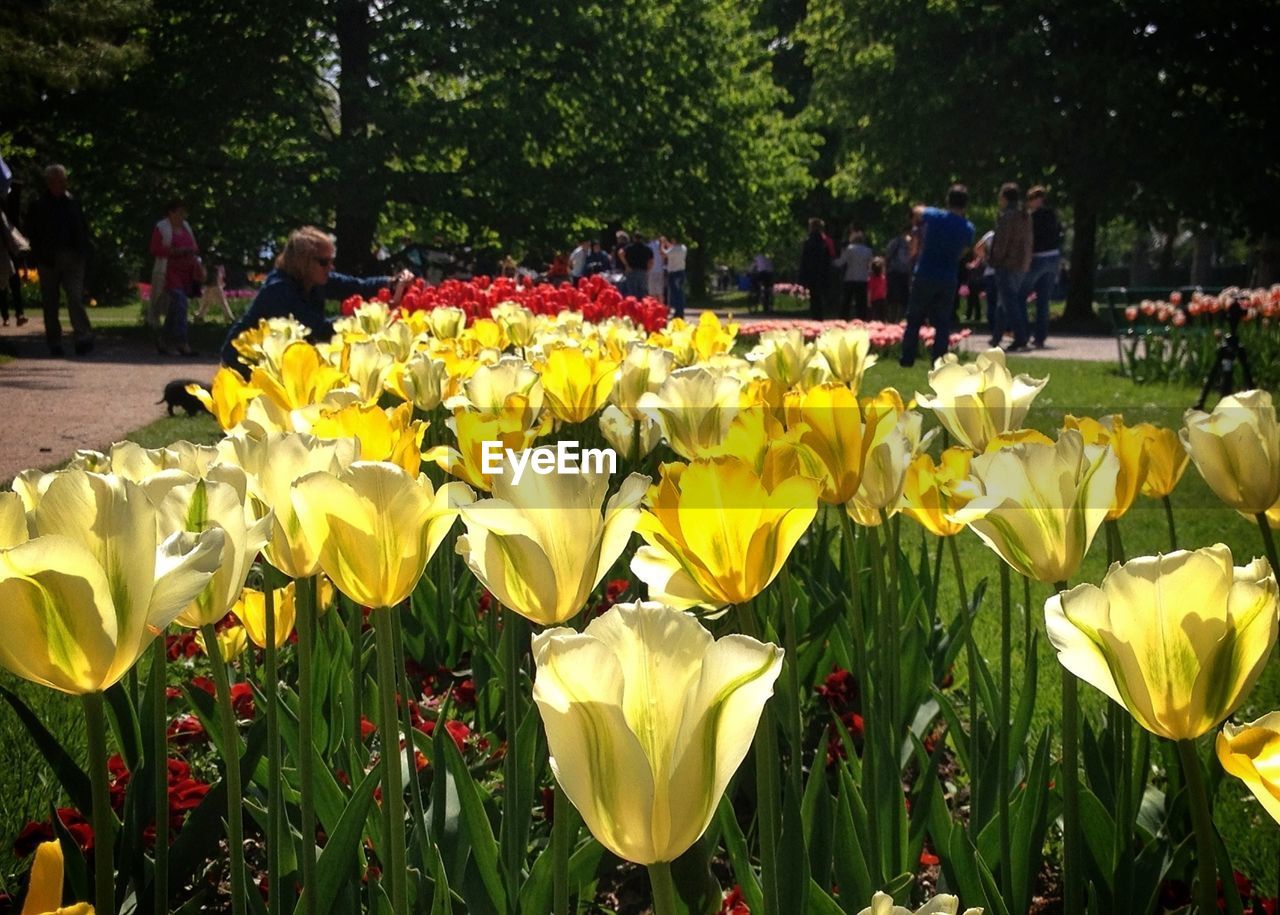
[(173, 241)]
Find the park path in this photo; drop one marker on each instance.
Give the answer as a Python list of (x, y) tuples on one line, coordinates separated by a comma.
[(49, 408)]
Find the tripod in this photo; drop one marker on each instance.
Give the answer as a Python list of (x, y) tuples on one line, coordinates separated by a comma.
[(1230, 351)]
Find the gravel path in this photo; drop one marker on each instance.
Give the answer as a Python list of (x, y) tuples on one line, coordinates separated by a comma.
[(49, 408)]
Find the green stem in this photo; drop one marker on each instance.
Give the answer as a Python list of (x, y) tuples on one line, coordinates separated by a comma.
[(768, 785), (1168, 515), (971, 658), (1002, 731), (1268, 541), (560, 852), (231, 766), (887, 647), (937, 572), (392, 789), (305, 601), (791, 668), (1206, 889), (410, 749), (355, 622), (867, 682), (511, 762), (276, 805), (160, 770), (104, 820), (1073, 862), (664, 889)]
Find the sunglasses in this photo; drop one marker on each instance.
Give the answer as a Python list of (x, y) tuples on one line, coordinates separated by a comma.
[(324, 261)]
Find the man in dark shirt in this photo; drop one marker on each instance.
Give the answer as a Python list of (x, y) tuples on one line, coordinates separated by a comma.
[(815, 267), (298, 286), (1046, 252), (636, 258), (597, 260), (944, 236), (60, 248)]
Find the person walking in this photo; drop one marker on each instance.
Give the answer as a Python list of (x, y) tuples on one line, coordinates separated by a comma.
[(173, 245), (855, 261), (60, 248), (897, 268), (944, 236), (636, 257), (1011, 258), (302, 280), (578, 261), (815, 268), (1046, 255), (14, 248), (676, 256), (982, 252), (762, 281)]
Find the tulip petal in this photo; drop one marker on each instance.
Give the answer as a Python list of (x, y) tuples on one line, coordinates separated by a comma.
[(1073, 620), (579, 690), (44, 886), (60, 626), (13, 520)]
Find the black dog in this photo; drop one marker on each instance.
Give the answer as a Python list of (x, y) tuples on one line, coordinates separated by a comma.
[(175, 395)]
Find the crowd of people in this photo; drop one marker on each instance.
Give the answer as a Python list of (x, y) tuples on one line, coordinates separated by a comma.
[(923, 270)]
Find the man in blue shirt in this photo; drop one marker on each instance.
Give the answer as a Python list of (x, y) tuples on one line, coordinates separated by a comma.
[(945, 234), (298, 286)]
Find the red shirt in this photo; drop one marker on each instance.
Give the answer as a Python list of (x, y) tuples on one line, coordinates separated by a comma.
[(181, 271), (877, 287)]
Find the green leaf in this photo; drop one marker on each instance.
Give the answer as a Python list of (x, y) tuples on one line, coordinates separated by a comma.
[(74, 780), (476, 824), (735, 844), (336, 864)]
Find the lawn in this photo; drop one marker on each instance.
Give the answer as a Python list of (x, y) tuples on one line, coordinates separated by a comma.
[(28, 788)]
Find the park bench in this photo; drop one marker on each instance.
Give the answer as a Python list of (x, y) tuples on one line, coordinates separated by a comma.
[(1115, 300)]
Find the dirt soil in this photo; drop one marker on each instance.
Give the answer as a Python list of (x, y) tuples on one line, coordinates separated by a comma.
[(51, 407)]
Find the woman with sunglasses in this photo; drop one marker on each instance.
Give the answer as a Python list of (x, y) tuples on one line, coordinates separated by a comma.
[(299, 285)]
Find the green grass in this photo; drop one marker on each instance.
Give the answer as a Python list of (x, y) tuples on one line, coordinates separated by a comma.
[(27, 788)]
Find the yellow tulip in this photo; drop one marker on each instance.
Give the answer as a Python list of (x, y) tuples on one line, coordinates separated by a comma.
[(1236, 448), (366, 364), (515, 428), (619, 430), (385, 435), (87, 582), (895, 442), (783, 355), (576, 382), (232, 641), (227, 397), (882, 904), (272, 462), (847, 354), (1166, 460), (184, 503), (694, 407), (1038, 506), (641, 372), (486, 333), (771, 450), (710, 337), (976, 402), (1177, 639), (1252, 754), (517, 322), (931, 493), (541, 545), (251, 611), (265, 344), (647, 719), (490, 387), (301, 378), (368, 318), (832, 425), (718, 533), (419, 381), (446, 323), (374, 527), (44, 888), (1129, 445)]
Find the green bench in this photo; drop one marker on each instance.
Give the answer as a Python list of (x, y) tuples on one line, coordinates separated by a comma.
[(1114, 300)]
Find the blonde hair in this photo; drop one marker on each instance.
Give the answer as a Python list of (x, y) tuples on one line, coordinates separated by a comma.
[(303, 245)]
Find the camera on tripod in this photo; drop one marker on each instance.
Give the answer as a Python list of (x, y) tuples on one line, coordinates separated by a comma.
[(1230, 353)]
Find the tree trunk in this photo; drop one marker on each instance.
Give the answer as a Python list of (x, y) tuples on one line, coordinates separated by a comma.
[(1084, 259), (697, 271), (358, 200)]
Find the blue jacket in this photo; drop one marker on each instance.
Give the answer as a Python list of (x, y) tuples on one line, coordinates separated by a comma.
[(281, 296)]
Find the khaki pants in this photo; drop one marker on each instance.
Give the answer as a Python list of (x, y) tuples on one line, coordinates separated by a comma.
[(65, 273)]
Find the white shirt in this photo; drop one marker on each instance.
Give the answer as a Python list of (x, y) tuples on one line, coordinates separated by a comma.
[(676, 257), (577, 261)]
